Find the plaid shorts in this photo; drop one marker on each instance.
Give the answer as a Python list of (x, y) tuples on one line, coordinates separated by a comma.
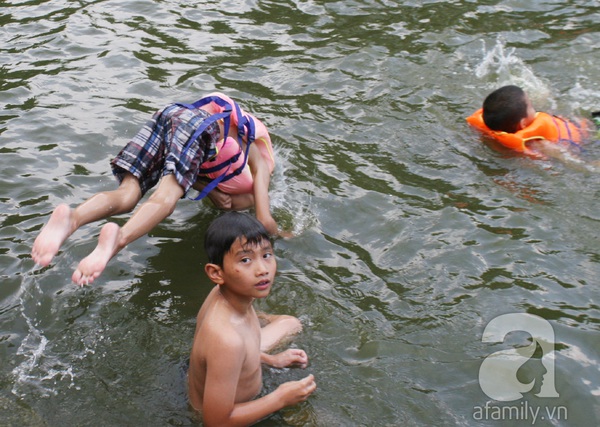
[(163, 146)]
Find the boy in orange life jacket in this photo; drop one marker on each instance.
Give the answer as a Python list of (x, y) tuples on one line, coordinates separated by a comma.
[(509, 117), (224, 375), (167, 152)]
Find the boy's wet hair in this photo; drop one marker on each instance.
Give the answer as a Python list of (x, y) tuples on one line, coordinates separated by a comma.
[(504, 108), (229, 227)]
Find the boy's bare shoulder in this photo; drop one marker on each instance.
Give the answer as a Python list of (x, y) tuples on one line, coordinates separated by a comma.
[(216, 329)]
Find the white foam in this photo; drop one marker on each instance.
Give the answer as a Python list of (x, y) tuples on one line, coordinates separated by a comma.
[(506, 68), (36, 369), (284, 197)]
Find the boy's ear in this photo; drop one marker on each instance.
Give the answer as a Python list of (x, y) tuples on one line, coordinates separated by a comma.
[(214, 273), (522, 124)]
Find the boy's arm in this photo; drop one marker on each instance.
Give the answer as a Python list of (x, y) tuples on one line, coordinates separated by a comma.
[(262, 178), (224, 362), (224, 366), (286, 394)]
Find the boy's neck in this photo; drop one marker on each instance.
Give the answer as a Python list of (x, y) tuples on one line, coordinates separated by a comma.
[(239, 304)]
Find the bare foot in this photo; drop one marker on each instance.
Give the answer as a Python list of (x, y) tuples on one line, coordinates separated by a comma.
[(54, 233), (93, 265)]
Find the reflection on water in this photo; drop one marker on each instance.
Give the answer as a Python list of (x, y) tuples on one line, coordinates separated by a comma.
[(411, 232)]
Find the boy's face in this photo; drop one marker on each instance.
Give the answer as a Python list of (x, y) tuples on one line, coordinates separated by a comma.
[(249, 270)]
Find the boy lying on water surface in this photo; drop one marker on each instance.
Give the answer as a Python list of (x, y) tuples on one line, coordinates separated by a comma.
[(508, 117)]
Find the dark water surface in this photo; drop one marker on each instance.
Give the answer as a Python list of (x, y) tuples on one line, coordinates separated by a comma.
[(411, 234)]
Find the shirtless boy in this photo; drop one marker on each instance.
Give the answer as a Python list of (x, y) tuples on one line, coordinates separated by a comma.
[(169, 151), (229, 345)]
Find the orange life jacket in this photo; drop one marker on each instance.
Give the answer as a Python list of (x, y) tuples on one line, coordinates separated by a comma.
[(544, 126)]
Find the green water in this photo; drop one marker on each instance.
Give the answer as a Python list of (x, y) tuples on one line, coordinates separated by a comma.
[(411, 235)]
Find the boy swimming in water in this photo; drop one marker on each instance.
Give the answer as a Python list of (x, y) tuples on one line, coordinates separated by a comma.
[(508, 117), (229, 345), (170, 151)]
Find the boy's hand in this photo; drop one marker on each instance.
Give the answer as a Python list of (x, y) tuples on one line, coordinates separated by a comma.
[(292, 356), (286, 234), (294, 392)]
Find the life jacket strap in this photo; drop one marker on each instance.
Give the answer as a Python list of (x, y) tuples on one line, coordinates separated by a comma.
[(246, 127), (232, 160), (570, 137)]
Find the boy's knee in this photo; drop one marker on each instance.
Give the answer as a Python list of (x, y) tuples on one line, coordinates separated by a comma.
[(277, 330), (290, 323)]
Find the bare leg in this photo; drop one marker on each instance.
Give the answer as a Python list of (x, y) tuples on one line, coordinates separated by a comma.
[(112, 238), (63, 222), (278, 328)]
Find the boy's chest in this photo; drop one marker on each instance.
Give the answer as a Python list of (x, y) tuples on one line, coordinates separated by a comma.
[(251, 369), (252, 340)]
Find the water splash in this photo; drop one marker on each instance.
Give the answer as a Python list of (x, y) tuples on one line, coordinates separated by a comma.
[(506, 68), (294, 208), (36, 370)]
